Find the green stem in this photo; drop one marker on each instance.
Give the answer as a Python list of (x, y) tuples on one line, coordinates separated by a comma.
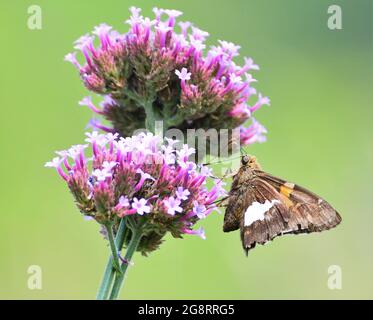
[(119, 278), (150, 116), (109, 272), (113, 246)]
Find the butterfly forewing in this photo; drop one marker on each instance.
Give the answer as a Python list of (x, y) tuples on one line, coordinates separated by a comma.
[(309, 210)]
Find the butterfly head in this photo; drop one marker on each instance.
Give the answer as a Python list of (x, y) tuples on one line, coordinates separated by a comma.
[(250, 161)]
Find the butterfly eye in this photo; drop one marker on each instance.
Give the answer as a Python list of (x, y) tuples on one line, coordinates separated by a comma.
[(245, 160)]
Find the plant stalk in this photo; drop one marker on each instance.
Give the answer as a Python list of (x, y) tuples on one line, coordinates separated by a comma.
[(113, 247), (109, 272), (119, 278), (150, 117)]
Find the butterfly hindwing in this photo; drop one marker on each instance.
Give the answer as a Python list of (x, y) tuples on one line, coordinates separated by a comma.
[(238, 199)]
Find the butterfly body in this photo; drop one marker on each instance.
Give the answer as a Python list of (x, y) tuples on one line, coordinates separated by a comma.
[(263, 207)]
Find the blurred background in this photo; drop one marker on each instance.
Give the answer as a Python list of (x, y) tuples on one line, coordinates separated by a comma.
[(320, 136)]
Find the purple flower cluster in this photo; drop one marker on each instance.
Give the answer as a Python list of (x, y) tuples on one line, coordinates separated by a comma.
[(141, 178), (160, 69)]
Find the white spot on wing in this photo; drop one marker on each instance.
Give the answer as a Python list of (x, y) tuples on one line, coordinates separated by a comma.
[(257, 211)]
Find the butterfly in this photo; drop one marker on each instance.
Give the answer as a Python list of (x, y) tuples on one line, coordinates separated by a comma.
[(264, 207)]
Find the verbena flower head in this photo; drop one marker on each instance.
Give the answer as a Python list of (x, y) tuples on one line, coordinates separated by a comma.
[(139, 177), (161, 67)]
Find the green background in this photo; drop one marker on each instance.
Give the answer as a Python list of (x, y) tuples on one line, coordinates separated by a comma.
[(320, 136)]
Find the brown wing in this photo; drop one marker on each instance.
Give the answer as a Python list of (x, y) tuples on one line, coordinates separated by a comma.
[(295, 210), (238, 199)]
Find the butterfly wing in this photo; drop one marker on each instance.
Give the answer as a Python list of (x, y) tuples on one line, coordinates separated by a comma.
[(309, 212), (238, 199), (277, 207)]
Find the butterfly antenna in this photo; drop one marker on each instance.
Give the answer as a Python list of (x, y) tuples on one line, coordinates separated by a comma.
[(220, 161), (243, 152)]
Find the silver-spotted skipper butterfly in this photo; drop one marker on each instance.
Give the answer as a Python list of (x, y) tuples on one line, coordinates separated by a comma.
[(264, 207)]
